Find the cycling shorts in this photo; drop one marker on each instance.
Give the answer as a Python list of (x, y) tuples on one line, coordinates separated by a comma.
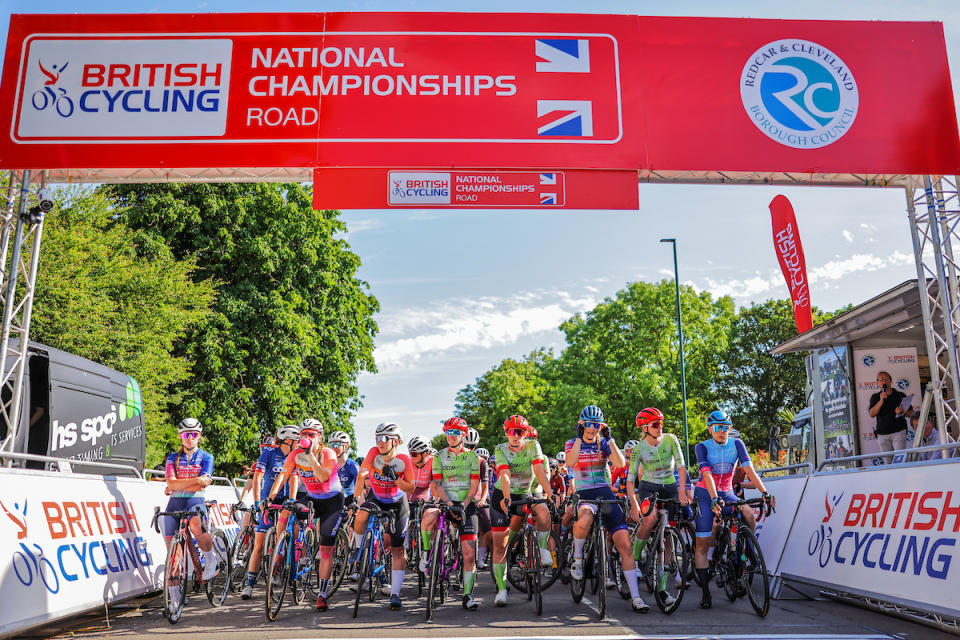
[(666, 491), (171, 524), (328, 512), (499, 520), (483, 520), (398, 530), (612, 514), (704, 522)]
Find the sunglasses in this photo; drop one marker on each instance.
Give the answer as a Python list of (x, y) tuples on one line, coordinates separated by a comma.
[(592, 425), (338, 445), (717, 428), (519, 433), (655, 425), (307, 433), (453, 432), (382, 439), (189, 435)]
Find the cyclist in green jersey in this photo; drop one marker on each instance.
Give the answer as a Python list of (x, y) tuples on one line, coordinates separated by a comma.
[(652, 463), (456, 479), (517, 462)]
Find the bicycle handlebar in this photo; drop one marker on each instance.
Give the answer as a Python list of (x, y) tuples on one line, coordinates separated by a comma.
[(179, 515), (752, 503)]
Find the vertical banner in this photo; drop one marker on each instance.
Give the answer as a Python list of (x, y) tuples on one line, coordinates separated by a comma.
[(901, 364), (835, 410), (786, 242)]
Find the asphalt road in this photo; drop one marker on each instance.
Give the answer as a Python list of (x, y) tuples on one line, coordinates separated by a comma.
[(245, 620)]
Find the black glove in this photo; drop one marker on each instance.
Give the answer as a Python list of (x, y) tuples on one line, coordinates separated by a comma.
[(389, 472), (580, 431), (605, 432)]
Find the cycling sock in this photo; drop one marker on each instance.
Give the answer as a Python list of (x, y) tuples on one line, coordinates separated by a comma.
[(704, 580), (578, 547), (323, 588), (251, 578), (511, 534), (396, 581), (631, 577), (426, 539), (357, 539), (638, 546), (468, 579), (542, 538), (498, 571)]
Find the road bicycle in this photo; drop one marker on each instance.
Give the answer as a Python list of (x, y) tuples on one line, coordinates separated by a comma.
[(737, 563), (291, 557), (243, 546), (414, 543), (372, 556), (524, 565), (667, 557), (446, 560), (182, 550), (341, 551), (594, 557)]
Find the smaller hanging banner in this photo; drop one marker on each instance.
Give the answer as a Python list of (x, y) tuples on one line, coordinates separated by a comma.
[(357, 188), (786, 242)]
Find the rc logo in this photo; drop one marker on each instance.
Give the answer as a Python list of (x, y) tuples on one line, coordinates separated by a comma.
[(903, 384), (123, 89), (869, 361), (799, 93)]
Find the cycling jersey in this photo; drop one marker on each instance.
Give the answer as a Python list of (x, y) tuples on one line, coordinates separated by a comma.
[(180, 466), (535, 485), (348, 476), (618, 480), (387, 491), (316, 488), (455, 472), (520, 464), (722, 460), (270, 464), (658, 461), (591, 470), (422, 477)]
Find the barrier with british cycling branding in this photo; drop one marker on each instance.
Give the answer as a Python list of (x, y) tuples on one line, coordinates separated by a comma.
[(536, 91), (72, 543), (773, 530), (890, 533)]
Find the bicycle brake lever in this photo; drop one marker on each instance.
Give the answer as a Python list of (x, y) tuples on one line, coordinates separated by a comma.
[(153, 523)]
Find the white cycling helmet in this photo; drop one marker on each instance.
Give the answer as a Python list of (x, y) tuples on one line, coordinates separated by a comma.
[(483, 453), (190, 424), (562, 457), (339, 436), (310, 423), (290, 431), (389, 429), (473, 437), (630, 444), (418, 445)]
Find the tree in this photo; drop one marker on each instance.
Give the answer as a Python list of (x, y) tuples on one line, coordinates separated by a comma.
[(114, 296), (754, 384), (292, 326)]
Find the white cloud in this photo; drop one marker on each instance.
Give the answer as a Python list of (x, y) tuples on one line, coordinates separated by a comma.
[(847, 236), (836, 269)]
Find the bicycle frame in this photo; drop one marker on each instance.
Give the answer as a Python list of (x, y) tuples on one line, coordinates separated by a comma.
[(366, 554), (297, 534)]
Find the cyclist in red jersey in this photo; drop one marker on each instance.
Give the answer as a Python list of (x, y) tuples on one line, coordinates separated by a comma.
[(422, 468)]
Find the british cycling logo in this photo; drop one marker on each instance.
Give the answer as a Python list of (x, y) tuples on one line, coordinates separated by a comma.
[(18, 517), (869, 360), (51, 95), (799, 93), (827, 500)]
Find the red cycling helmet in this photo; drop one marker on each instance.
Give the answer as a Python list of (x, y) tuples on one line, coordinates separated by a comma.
[(648, 415), (534, 433), (456, 423), (516, 422)]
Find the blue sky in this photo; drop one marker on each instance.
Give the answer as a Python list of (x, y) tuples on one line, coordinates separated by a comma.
[(461, 290)]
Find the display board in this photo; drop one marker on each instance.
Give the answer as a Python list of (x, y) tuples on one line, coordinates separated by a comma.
[(901, 364)]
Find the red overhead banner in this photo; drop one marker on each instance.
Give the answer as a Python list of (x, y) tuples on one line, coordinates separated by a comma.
[(786, 242), (475, 189), (537, 91)]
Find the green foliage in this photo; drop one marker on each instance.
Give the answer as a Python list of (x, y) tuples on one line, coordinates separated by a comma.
[(292, 326), (107, 293)]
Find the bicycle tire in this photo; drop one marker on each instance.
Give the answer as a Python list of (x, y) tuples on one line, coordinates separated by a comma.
[(689, 536), (240, 557), (578, 587), (302, 583), (671, 545), (529, 544), (565, 556), (218, 586), (434, 588), (176, 563), (341, 561), (616, 565), (535, 570), (726, 568), (600, 561), (377, 567), (755, 569), (278, 576), (363, 561)]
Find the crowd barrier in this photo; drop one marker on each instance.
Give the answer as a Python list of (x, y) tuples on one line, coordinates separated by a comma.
[(71, 543)]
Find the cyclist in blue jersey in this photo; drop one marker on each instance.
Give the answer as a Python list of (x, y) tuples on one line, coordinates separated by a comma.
[(587, 457), (347, 469), (189, 471), (718, 459), (269, 466)]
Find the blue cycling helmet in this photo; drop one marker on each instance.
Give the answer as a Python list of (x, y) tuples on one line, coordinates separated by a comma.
[(719, 417), (591, 413)]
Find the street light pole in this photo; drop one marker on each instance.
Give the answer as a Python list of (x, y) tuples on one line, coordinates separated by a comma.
[(683, 371)]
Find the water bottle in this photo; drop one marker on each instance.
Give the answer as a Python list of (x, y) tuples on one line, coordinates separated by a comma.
[(298, 547)]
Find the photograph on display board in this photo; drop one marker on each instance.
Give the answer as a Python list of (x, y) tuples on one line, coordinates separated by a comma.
[(888, 428), (835, 403)]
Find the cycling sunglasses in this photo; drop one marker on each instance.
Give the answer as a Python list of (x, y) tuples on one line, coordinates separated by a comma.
[(189, 435), (519, 433), (717, 428), (453, 432), (384, 438), (338, 445), (592, 425)]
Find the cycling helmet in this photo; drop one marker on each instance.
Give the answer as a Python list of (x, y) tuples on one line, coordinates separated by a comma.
[(719, 417), (516, 422), (418, 445), (291, 431), (591, 413), (562, 456), (483, 453), (473, 437), (190, 424), (389, 429), (339, 436), (268, 442), (455, 423), (534, 433), (310, 423), (433, 451), (648, 415), (629, 445)]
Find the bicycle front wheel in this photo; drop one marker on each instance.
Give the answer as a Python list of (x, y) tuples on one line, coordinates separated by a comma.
[(304, 583), (535, 571), (219, 586), (240, 558), (175, 579), (434, 579), (669, 567), (341, 560), (278, 576), (363, 567), (600, 567), (754, 576)]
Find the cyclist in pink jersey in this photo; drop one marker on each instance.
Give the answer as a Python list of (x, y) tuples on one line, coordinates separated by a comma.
[(391, 478), (422, 468)]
